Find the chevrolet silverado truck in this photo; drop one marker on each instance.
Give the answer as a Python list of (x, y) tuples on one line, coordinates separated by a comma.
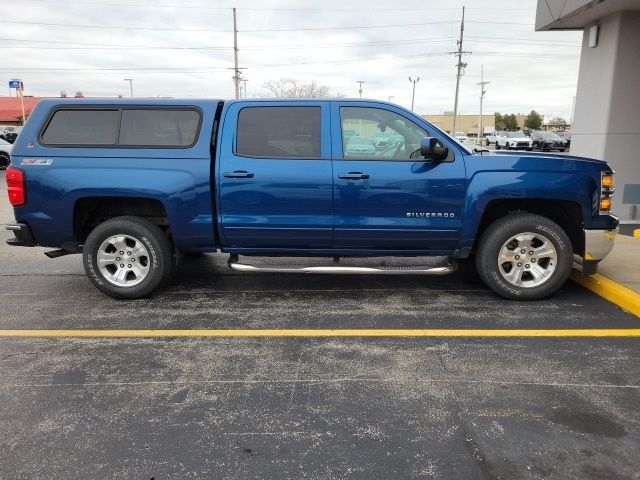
[(133, 184)]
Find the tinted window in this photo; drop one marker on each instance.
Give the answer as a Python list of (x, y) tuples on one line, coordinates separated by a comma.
[(378, 133), (161, 128), (82, 127), (279, 132)]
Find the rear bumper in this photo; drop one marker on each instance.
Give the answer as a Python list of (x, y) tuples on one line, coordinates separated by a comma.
[(23, 236)]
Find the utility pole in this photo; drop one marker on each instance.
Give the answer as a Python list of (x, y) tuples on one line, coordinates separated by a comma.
[(413, 95), (460, 66), (244, 83), (236, 70), (573, 109), (390, 97), (360, 82), (482, 92), (130, 80)]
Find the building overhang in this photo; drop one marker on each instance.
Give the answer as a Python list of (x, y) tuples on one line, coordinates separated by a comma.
[(577, 14)]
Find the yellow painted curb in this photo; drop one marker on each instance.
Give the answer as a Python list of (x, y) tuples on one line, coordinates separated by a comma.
[(401, 332), (636, 233), (620, 295)]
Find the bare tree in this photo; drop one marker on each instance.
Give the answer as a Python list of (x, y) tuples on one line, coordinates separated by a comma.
[(292, 88)]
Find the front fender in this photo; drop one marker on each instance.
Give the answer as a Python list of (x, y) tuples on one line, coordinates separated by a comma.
[(485, 187)]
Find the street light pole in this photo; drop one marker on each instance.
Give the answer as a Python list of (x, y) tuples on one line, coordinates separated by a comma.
[(360, 82), (482, 92), (413, 95), (130, 80)]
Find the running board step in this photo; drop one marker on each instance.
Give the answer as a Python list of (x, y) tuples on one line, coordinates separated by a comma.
[(384, 269)]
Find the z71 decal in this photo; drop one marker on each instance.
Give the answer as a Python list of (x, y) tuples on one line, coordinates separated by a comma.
[(37, 161)]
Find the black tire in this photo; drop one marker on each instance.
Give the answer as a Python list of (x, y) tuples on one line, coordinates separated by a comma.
[(499, 232), (4, 161), (159, 260), (498, 147), (507, 146), (561, 149)]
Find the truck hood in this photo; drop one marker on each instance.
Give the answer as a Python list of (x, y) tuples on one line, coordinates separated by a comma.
[(533, 161)]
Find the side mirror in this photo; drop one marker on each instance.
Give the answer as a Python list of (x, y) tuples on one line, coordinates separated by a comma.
[(432, 148)]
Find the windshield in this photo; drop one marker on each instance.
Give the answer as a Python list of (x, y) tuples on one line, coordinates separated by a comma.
[(550, 136), (515, 135)]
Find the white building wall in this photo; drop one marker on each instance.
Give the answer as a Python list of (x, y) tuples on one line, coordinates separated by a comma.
[(607, 111)]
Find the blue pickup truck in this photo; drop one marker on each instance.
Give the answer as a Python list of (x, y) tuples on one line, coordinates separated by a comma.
[(133, 184)]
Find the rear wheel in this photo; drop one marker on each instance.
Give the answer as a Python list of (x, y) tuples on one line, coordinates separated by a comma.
[(524, 256), (127, 257), (497, 145)]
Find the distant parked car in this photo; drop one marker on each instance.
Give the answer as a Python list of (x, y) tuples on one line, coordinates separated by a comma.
[(516, 140), (381, 140), (547, 141), (491, 138), (10, 134), (461, 137), (360, 146), (566, 136), (5, 154)]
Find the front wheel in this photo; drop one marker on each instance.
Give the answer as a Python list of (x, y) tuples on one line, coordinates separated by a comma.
[(497, 146), (127, 257), (524, 256)]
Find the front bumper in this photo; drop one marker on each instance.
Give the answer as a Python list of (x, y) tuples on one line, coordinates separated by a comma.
[(23, 236), (597, 245)]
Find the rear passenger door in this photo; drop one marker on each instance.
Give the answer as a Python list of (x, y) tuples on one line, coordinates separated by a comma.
[(274, 175)]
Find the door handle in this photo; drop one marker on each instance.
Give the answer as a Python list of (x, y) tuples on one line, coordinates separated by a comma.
[(353, 176), (238, 174)]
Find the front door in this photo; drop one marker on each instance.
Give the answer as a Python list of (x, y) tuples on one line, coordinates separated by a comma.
[(274, 176), (386, 196)]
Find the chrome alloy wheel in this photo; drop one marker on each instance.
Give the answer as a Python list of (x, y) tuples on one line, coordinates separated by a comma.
[(123, 260), (527, 259)]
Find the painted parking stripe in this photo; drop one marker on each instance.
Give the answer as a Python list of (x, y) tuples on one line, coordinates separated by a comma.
[(364, 332)]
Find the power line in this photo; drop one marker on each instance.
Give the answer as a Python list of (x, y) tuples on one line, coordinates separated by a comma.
[(276, 65), (120, 27), (405, 41), (115, 27)]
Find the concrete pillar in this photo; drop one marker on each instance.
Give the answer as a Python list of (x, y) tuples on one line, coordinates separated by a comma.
[(607, 112)]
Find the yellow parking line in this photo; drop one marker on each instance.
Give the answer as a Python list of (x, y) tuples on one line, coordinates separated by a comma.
[(364, 332), (620, 295)]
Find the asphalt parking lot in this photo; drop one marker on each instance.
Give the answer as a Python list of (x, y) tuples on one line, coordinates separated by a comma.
[(302, 407)]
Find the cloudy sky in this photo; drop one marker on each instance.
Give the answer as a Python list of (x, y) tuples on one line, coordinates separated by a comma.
[(184, 49)]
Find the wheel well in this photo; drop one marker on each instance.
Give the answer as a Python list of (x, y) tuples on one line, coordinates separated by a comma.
[(90, 212), (565, 213)]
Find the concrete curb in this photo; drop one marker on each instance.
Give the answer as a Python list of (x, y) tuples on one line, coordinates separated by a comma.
[(617, 294)]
